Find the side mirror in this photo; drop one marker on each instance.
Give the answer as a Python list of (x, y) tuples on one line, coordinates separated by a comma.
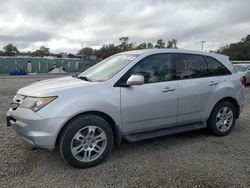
[(135, 80)]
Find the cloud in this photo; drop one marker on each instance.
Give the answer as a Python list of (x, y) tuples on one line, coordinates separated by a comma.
[(63, 24), (28, 37)]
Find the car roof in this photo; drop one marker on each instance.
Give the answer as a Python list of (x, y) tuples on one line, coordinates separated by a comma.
[(242, 64), (241, 61), (171, 50)]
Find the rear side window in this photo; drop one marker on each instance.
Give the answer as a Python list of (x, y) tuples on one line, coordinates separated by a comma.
[(189, 66), (215, 68)]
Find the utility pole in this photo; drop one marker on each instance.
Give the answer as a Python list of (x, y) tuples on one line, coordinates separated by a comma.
[(174, 43), (82, 49), (202, 44)]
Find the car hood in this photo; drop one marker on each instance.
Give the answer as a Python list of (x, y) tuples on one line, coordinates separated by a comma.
[(53, 86)]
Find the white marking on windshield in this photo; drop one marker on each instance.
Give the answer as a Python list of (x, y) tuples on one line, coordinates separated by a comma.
[(128, 57)]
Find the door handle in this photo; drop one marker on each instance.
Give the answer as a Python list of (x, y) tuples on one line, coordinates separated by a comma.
[(167, 89), (212, 83)]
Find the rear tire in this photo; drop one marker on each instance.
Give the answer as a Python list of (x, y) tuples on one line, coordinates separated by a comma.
[(222, 119), (86, 141)]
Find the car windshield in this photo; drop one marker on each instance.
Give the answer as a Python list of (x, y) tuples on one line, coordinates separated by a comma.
[(241, 68), (107, 68)]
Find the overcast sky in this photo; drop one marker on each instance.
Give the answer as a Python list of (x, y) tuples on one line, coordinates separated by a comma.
[(61, 25)]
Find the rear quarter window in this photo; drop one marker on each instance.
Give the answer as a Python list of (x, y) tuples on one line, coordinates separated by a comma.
[(215, 68)]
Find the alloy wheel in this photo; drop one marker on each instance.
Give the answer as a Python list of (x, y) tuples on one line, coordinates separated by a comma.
[(88, 143), (224, 119)]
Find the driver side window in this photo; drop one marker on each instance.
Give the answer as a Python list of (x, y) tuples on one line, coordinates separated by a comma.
[(155, 68)]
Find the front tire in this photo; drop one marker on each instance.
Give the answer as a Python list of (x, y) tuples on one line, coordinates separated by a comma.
[(222, 118), (86, 141)]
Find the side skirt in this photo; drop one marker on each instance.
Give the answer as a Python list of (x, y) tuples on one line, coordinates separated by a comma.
[(163, 132)]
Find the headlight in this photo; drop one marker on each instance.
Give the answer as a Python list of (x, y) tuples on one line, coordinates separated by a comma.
[(36, 103)]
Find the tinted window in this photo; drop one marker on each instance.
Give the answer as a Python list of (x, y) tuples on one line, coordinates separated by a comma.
[(215, 67), (189, 66), (156, 68)]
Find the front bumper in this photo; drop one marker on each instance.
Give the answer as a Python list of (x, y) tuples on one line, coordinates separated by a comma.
[(36, 130)]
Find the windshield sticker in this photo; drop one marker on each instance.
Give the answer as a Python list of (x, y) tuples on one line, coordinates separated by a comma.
[(128, 57)]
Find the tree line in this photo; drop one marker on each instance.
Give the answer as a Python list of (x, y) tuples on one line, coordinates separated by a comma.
[(236, 51), (125, 45), (105, 51), (11, 50)]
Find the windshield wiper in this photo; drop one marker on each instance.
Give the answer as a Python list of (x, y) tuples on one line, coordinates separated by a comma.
[(84, 78)]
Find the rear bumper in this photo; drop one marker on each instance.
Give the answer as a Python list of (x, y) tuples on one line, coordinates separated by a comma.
[(37, 131), (241, 107)]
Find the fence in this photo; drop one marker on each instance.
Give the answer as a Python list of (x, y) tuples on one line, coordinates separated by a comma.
[(43, 65)]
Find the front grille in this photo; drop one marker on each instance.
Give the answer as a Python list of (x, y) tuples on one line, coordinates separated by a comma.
[(9, 119)]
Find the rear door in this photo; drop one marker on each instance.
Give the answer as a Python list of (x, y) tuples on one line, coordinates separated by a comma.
[(152, 105), (196, 87)]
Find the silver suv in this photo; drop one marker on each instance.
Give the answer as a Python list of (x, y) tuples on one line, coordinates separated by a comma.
[(134, 95)]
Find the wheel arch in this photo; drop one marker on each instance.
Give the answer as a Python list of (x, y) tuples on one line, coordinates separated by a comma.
[(233, 101), (115, 129)]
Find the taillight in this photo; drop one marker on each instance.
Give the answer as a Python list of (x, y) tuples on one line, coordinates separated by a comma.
[(243, 80)]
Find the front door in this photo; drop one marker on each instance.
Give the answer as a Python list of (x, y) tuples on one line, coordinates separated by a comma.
[(152, 105)]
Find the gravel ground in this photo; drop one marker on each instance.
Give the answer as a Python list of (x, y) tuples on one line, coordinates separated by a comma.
[(193, 159)]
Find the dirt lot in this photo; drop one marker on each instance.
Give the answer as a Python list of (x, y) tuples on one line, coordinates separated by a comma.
[(193, 159)]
